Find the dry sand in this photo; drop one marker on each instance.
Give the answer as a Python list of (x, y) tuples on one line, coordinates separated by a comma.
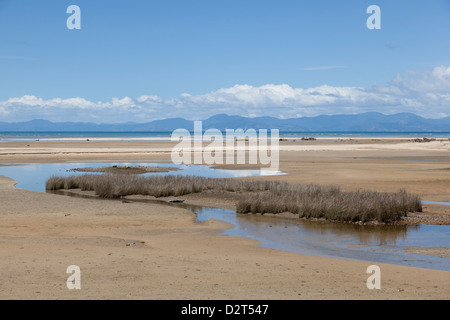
[(145, 251)]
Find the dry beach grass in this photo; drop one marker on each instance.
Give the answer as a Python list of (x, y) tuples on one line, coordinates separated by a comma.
[(304, 200)]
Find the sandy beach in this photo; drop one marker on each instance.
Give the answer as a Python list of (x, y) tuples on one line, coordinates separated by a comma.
[(150, 251)]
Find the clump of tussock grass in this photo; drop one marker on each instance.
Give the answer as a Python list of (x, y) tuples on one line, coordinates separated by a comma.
[(333, 204), (113, 186), (55, 183), (256, 196)]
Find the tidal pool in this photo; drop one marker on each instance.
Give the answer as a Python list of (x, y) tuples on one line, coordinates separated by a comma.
[(33, 176), (374, 244), (382, 244), (437, 202)]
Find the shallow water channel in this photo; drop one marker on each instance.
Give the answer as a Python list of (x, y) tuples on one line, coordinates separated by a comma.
[(382, 244)]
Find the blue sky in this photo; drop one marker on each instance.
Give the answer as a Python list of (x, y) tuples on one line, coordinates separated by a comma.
[(144, 60)]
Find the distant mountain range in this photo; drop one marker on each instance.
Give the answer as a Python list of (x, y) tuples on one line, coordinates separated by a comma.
[(365, 122)]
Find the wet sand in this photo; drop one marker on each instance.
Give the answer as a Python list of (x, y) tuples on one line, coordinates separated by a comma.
[(146, 251)]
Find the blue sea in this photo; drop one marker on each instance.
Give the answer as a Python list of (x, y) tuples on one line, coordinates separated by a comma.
[(31, 135)]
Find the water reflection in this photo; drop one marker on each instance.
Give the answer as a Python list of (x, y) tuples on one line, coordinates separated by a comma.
[(366, 234), (383, 244)]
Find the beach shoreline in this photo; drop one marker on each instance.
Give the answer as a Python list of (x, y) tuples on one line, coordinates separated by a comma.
[(137, 251)]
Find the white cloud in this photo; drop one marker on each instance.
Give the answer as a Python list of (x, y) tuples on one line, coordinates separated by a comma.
[(419, 82), (149, 99), (124, 102), (29, 100), (426, 93)]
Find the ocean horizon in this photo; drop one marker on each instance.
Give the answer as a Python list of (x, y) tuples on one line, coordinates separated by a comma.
[(55, 135)]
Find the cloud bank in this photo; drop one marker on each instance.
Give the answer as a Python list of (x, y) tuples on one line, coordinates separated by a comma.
[(425, 92)]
